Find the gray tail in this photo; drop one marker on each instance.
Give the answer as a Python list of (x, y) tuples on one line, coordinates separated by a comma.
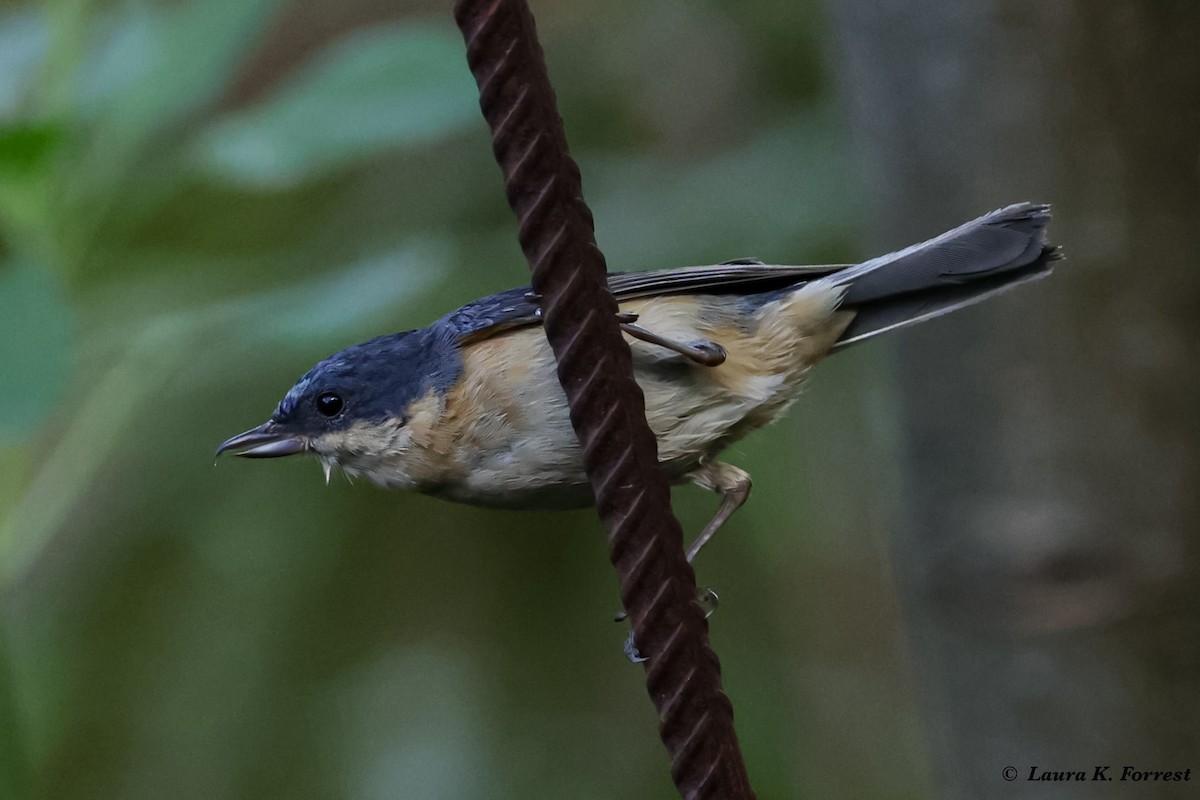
[(974, 261)]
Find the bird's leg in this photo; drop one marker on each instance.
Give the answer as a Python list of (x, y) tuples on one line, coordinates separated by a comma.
[(704, 353), (732, 484)]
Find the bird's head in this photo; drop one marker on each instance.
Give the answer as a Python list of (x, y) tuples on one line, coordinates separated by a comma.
[(352, 409)]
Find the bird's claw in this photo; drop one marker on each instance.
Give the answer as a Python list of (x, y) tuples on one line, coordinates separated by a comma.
[(631, 652), (706, 597), (709, 600)]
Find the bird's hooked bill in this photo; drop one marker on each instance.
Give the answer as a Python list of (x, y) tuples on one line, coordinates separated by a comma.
[(265, 441)]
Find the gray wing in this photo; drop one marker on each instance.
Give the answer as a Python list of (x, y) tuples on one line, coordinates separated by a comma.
[(976, 260), (491, 315), (744, 276)]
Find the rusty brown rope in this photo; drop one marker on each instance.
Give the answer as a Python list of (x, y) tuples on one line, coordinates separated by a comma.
[(658, 587)]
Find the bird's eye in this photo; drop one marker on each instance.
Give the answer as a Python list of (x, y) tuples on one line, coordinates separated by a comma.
[(330, 404)]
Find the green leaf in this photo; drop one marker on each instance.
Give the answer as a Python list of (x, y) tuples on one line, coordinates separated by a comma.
[(378, 89), (148, 69), (26, 170), (25, 148), (151, 66), (36, 329)]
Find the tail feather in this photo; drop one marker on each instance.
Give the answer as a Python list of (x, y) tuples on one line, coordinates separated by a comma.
[(974, 261)]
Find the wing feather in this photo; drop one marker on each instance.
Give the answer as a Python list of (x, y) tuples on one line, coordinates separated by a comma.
[(504, 311)]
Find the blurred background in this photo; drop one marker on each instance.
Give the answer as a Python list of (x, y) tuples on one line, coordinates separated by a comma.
[(972, 545)]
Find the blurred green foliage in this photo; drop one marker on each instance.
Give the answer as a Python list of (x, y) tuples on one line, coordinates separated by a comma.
[(373, 91), (200, 199)]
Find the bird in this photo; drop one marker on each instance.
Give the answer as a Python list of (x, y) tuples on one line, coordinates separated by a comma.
[(469, 408)]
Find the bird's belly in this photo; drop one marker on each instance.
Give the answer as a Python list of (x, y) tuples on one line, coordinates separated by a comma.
[(507, 481)]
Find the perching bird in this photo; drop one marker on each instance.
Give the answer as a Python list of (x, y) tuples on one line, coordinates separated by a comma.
[(470, 409)]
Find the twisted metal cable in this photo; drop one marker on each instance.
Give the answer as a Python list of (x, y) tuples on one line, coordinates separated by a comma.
[(658, 587)]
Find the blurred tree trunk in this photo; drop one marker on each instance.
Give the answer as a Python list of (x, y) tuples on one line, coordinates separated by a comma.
[(1048, 552)]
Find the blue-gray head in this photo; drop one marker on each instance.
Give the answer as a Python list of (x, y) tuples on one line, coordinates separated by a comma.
[(356, 401)]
